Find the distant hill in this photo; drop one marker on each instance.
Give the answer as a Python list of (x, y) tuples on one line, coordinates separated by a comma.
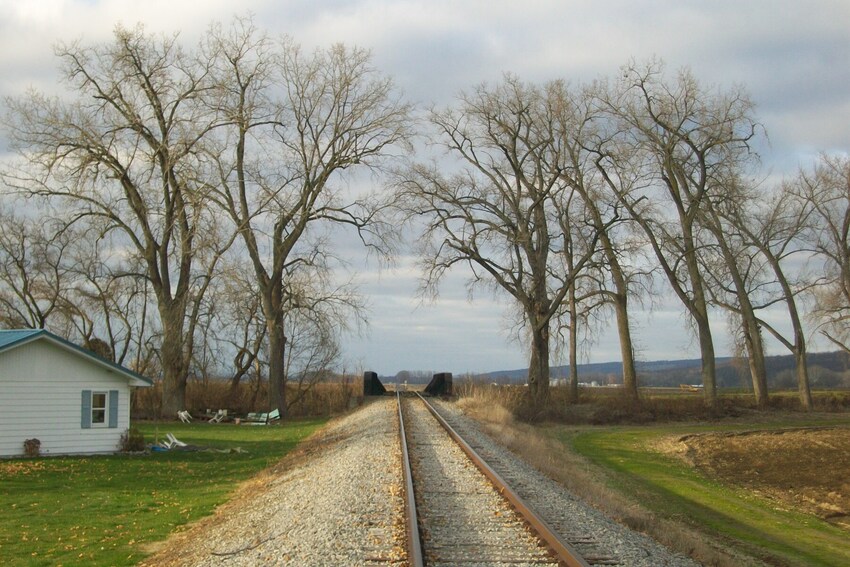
[(601, 370), (826, 369)]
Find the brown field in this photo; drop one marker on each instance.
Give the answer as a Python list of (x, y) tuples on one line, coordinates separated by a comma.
[(805, 469)]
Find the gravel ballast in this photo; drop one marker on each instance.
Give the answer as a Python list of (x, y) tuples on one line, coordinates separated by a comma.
[(462, 518), (343, 505)]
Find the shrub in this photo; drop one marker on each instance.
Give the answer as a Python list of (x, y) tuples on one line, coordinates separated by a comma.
[(132, 441), (320, 399), (32, 447)]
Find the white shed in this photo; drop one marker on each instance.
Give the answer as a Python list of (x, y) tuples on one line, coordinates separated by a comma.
[(67, 397)]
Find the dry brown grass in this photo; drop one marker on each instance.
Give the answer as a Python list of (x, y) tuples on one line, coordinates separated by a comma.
[(586, 480), (609, 406), (321, 399)]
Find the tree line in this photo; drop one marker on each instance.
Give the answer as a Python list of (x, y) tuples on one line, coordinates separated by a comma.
[(178, 209)]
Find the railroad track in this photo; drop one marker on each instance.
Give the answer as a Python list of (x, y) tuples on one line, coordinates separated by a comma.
[(460, 510)]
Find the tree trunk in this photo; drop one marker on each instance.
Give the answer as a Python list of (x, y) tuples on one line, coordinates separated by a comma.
[(621, 311), (752, 330), (627, 353), (706, 347), (803, 378), (755, 355), (803, 386), (799, 347), (573, 346), (173, 361), (538, 368), (277, 367)]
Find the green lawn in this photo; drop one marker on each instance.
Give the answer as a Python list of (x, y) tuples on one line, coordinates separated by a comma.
[(102, 510), (673, 490)]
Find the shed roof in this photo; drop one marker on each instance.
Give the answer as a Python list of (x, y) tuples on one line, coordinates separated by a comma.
[(10, 339)]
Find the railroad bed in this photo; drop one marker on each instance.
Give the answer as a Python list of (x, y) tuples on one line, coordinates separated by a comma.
[(461, 516), (342, 502)]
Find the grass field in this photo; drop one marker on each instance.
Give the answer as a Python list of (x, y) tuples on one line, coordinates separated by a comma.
[(105, 510), (733, 514)]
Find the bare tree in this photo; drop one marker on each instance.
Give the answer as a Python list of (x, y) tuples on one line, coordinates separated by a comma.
[(498, 213), (281, 160), (683, 140), (33, 271), (611, 279), (106, 300), (734, 278), (775, 228), (240, 326), (123, 155), (583, 296), (825, 195)]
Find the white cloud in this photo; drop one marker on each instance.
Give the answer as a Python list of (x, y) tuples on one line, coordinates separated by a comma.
[(793, 57)]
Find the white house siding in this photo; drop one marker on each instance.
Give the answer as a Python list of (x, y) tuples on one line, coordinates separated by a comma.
[(41, 388)]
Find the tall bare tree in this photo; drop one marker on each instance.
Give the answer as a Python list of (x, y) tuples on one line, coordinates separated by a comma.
[(284, 154), (684, 139), (499, 214), (825, 193), (122, 154), (775, 228), (734, 277), (613, 281)]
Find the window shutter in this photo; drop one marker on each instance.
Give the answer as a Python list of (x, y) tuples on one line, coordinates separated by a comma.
[(85, 417), (113, 408)]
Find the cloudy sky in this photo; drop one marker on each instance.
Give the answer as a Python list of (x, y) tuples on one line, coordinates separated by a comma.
[(793, 57)]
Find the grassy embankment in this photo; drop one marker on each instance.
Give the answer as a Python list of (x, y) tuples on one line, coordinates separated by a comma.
[(671, 489), (622, 470), (106, 510)]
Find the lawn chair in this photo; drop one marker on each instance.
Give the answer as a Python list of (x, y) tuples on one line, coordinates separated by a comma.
[(219, 416), (174, 441), (184, 416)]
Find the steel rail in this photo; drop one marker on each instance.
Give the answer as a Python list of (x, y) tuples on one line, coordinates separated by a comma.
[(414, 543), (563, 551)]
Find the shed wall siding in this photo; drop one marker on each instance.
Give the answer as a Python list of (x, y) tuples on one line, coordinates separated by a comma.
[(40, 396)]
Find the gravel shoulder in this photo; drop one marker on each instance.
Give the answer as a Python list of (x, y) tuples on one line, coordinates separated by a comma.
[(337, 500)]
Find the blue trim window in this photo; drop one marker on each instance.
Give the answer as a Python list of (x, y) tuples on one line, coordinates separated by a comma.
[(98, 409)]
